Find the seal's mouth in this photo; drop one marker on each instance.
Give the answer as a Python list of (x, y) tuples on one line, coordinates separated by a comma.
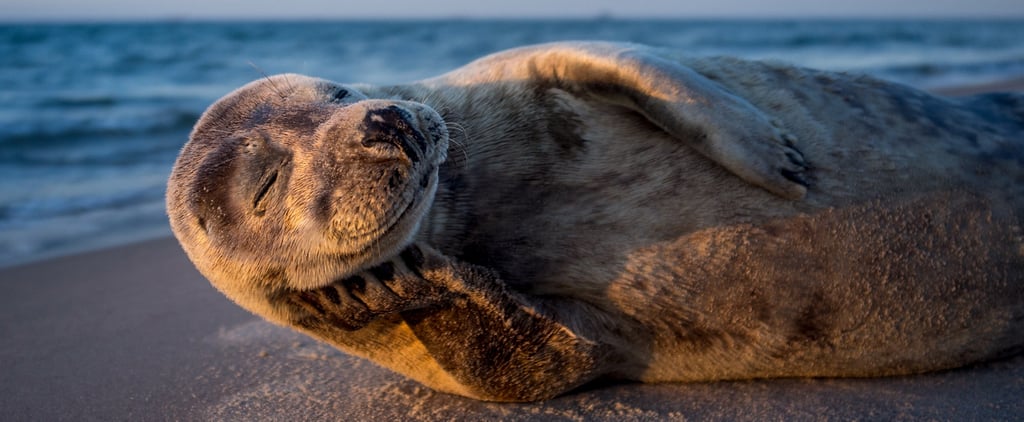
[(373, 238), (401, 216)]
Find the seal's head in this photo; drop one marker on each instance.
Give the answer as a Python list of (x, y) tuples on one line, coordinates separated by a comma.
[(294, 182)]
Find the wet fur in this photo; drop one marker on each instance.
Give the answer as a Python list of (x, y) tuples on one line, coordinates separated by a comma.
[(577, 233)]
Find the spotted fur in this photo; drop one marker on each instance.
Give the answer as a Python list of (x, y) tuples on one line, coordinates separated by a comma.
[(556, 214)]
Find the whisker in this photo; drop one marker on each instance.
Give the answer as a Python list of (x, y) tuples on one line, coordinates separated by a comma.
[(220, 131), (458, 134), (221, 162), (273, 85), (290, 86)]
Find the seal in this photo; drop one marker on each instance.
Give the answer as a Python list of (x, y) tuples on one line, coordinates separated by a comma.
[(556, 214)]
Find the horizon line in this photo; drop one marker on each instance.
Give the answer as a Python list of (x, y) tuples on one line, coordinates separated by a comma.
[(510, 18)]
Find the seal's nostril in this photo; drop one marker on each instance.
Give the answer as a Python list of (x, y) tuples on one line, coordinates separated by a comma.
[(393, 126)]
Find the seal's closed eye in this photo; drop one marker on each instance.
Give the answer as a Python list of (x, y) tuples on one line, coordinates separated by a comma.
[(257, 201), (263, 164)]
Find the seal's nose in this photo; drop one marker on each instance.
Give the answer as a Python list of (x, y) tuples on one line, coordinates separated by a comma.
[(393, 125)]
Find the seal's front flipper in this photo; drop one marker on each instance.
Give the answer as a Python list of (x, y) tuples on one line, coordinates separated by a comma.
[(761, 154), (494, 343), (450, 325), (720, 125), (353, 302)]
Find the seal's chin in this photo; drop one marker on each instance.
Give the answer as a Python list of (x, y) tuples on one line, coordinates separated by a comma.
[(408, 216), (385, 242)]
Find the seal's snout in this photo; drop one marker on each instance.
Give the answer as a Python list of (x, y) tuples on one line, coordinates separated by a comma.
[(393, 126)]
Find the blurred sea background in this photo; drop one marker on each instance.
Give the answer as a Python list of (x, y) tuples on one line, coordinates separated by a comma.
[(92, 115)]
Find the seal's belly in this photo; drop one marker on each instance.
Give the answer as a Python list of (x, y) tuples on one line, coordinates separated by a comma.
[(576, 221)]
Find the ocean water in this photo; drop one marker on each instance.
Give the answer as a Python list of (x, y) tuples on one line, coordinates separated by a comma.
[(93, 115)]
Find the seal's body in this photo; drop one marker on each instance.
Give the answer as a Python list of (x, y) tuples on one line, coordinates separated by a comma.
[(554, 214)]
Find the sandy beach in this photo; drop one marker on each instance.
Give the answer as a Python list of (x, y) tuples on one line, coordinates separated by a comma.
[(136, 333)]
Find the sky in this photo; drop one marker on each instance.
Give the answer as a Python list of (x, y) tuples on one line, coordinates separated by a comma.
[(35, 10)]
